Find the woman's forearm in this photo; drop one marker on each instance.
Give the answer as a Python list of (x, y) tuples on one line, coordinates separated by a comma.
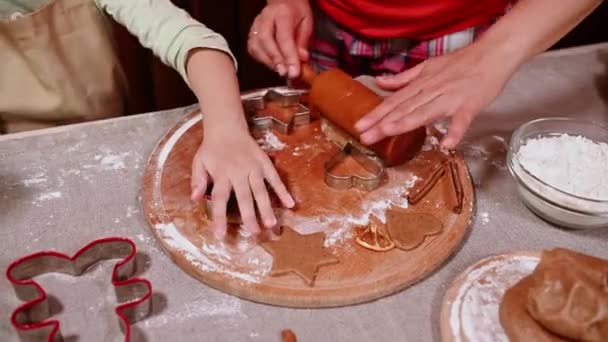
[(213, 80), (531, 27)]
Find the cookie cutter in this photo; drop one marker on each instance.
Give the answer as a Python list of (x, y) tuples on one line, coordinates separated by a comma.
[(258, 115), (371, 164), (31, 318)]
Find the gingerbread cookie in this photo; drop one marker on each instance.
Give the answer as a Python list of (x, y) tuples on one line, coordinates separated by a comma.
[(408, 230), (299, 254)]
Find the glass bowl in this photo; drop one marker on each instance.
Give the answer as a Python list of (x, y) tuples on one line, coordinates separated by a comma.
[(554, 205)]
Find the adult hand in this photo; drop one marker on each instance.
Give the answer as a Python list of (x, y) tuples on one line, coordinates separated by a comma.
[(458, 85), (279, 36), (236, 162)]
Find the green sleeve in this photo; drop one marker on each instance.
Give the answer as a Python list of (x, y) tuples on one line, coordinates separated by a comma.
[(164, 28)]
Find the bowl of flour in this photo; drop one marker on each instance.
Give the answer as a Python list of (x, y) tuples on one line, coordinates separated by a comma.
[(561, 169)]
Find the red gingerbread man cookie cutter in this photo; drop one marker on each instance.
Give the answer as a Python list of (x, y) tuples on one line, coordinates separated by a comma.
[(31, 319)]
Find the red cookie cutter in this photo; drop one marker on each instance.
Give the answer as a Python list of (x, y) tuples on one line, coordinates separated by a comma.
[(132, 294)]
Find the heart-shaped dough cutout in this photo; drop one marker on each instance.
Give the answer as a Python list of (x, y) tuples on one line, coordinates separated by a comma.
[(408, 230)]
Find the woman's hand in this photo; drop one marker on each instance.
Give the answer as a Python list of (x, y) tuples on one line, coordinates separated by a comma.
[(461, 84), (279, 36), (235, 162), (458, 85)]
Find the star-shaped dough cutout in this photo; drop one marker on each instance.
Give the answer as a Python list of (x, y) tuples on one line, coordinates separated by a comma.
[(299, 254)]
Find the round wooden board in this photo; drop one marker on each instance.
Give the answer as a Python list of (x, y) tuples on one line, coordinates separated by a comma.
[(239, 266), (469, 311)]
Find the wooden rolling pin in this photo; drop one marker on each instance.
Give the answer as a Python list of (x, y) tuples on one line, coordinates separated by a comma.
[(344, 101)]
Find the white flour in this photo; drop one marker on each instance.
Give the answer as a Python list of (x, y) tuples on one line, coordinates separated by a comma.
[(572, 164), (206, 262), (270, 142), (474, 312), (38, 178), (48, 196), (485, 218), (198, 309)]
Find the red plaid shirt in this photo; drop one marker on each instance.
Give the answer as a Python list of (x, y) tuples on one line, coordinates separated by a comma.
[(333, 45)]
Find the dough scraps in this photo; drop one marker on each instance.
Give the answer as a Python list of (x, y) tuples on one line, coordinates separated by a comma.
[(408, 230), (299, 254), (565, 298)]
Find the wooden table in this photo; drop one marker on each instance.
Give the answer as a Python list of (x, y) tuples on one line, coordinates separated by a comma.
[(61, 188)]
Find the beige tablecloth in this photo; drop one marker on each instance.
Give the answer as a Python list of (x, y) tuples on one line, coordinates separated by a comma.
[(63, 187)]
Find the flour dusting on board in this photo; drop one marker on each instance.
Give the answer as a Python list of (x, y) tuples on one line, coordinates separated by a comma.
[(205, 257), (340, 227), (474, 312), (245, 260), (270, 142)]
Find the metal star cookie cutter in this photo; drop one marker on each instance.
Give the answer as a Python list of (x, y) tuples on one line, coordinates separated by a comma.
[(258, 115), (372, 164), (132, 294)]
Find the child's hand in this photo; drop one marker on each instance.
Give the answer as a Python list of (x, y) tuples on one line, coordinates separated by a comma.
[(279, 36), (457, 85), (236, 162)]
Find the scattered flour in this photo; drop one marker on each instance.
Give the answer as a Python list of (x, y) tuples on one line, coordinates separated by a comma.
[(206, 261), (48, 196), (485, 218), (131, 211), (37, 178), (270, 142), (478, 299), (109, 161), (196, 309), (573, 164)]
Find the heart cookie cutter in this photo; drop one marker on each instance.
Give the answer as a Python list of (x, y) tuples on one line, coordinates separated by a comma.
[(370, 163), (31, 318), (259, 115)]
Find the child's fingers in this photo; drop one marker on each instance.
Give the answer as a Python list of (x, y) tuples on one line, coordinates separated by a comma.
[(219, 198), (271, 175), (260, 193), (285, 36), (245, 203), (198, 181)]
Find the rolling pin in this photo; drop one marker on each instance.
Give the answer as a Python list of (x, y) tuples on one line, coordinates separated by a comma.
[(344, 101)]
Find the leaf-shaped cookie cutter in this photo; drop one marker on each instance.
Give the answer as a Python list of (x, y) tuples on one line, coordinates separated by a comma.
[(254, 105), (31, 318), (370, 163)]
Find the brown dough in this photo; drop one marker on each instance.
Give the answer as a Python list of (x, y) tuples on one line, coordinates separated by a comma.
[(566, 296), (300, 254), (570, 295), (408, 230), (517, 323), (344, 101)]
